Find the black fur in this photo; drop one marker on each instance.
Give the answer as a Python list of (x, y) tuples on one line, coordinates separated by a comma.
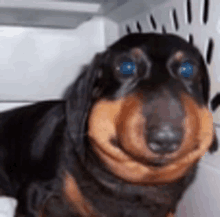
[(40, 141)]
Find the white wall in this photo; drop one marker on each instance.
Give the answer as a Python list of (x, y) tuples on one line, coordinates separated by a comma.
[(38, 64), (202, 199)]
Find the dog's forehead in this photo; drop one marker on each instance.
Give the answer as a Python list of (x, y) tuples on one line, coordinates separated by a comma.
[(154, 45)]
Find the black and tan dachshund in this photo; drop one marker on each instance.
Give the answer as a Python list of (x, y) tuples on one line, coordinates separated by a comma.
[(124, 141)]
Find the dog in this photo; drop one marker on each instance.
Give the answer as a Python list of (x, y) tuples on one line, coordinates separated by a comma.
[(125, 140)]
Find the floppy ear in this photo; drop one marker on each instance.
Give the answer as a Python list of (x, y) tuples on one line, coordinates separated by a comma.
[(214, 146), (79, 100)]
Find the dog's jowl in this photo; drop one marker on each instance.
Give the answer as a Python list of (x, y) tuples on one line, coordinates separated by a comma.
[(124, 141)]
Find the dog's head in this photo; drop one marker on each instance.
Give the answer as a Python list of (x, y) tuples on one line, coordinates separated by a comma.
[(144, 106)]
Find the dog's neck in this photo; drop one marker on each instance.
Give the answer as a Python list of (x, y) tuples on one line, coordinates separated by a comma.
[(102, 188)]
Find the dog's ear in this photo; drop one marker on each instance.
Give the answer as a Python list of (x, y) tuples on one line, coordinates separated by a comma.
[(214, 146), (79, 99)]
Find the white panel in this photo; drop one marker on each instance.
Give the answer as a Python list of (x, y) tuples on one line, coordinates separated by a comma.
[(202, 198), (12, 105), (52, 5), (132, 8), (111, 31), (7, 206), (38, 64)]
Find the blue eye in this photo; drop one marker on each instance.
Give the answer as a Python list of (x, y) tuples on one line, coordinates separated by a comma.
[(127, 68), (186, 70)]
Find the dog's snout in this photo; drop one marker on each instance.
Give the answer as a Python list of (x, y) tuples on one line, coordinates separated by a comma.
[(164, 138)]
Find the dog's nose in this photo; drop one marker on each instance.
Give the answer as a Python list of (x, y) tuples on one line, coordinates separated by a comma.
[(164, 138)]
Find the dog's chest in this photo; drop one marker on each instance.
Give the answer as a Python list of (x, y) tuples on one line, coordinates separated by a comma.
[(114, 200), (153, 202), (108, 196)]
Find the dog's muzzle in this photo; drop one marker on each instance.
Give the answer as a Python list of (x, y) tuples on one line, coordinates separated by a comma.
[(164, 123)]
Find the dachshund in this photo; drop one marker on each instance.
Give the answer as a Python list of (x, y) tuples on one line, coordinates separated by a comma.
[(125, 139)]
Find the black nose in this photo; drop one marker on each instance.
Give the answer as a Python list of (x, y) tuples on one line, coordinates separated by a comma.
[(164, 138)]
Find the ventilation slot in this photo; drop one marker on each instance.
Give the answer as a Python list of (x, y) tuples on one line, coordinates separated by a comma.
[(206, 11), (189, 11), (215, 102), (128, 29), (164, 31), (153, 22), (139, 27), (210, 51), (191, 39), (175, 20)]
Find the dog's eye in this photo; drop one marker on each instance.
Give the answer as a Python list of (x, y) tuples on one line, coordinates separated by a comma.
[(126, 67), (186, 70)]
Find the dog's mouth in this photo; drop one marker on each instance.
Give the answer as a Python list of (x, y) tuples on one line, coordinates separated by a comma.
[(159, 161), (166, 159)]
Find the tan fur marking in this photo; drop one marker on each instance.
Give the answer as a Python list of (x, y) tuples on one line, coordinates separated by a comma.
[(41, 213), (137, 53), (179, 55), (170, 214), (76, 199), (124, 118)]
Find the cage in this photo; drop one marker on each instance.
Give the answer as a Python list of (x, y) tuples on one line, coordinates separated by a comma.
[(45, 43)]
